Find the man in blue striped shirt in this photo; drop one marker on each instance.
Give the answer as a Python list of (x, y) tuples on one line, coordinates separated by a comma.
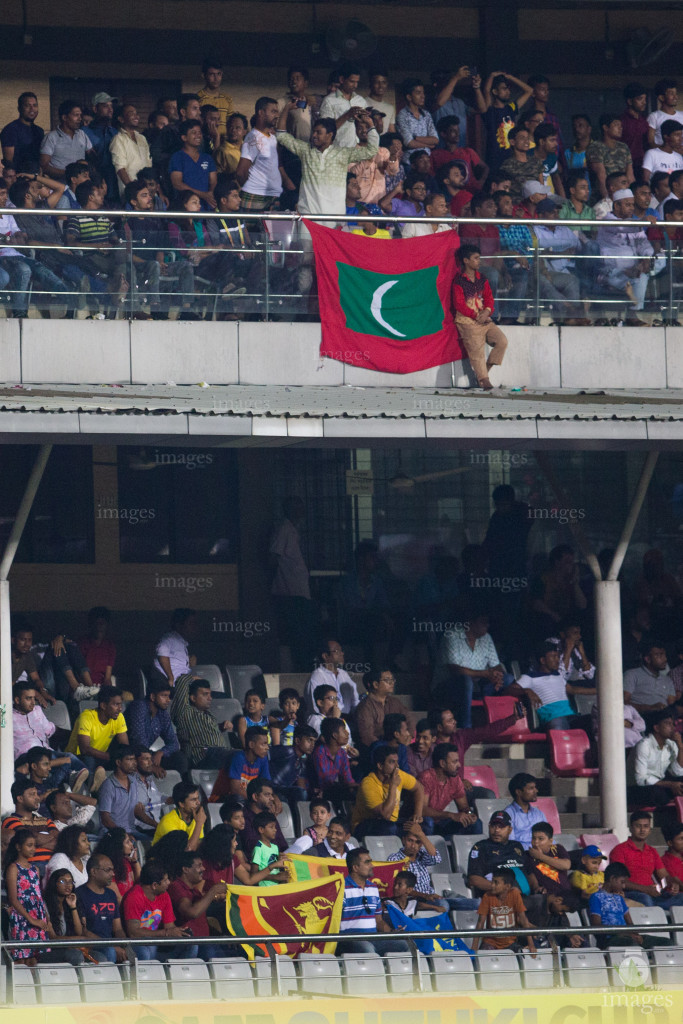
[(362, 909)]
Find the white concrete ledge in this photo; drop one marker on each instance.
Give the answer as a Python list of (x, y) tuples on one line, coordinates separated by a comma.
[(187, 352)]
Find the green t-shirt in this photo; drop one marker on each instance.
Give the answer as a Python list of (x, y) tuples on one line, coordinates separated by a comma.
[(263, 856)]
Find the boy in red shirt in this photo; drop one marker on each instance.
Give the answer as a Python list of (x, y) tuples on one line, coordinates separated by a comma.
[(473, 302), (673, 860), (502, 907)]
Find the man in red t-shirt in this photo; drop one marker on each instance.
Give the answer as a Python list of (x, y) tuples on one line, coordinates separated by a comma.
[(442, 783), (448, 149), (673, 860), (98, 651), (645, 865), (191, 899), (147, 908), (473, 303), (487, 239)]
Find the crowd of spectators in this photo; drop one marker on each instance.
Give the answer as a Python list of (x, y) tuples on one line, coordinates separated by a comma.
[(459, 146), (89, 804)]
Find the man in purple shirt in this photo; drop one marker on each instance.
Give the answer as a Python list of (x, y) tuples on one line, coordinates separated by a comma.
[(331, 762)]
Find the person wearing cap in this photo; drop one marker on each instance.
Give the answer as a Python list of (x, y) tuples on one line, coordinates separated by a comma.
[(655, 764), (558, 282), (547, 691), (498, 851), (609, 155), (634, 122), (533, 192), (523, 789), (589, 877), (628, 273)]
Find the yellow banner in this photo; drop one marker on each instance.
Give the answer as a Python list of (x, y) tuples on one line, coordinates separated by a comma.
[(557, 1006)]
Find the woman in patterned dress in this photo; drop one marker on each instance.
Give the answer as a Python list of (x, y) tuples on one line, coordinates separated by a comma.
[(28, 917)]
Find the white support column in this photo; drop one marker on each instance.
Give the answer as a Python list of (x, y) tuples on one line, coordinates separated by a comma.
[(6, 730), (611, 707)]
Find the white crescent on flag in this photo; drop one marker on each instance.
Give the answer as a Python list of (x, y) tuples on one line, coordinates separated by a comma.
[(376, 307)]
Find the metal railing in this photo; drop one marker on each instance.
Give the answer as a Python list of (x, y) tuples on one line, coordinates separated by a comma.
[(422, 971), (263, 269)]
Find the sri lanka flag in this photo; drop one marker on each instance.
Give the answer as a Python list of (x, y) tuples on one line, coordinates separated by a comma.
[(438, 923), (301, 908), (302, 868), (385, 304)]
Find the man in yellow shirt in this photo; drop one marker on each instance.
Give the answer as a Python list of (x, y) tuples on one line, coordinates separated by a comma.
[(188, 815), (94, 730), (379, 797), (212, 70)]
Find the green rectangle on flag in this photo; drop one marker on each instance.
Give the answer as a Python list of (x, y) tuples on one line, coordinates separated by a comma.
[(402, 306)]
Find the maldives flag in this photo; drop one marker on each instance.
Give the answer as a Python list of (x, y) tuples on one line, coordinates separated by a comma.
[(385, 304)]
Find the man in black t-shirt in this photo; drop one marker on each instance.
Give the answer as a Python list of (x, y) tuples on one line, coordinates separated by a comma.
[(99, 909), (500, 114), (497, 852)]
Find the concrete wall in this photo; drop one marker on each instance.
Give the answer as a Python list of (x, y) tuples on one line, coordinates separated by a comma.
[(149, 352)]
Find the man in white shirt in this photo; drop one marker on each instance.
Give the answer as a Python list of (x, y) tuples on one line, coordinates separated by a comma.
[(467, 652), (339, 104), (259, 172), (331, 671), (379, 83), (666, 157), (629, 272), (172, 656), (655, 765), (666, 92)]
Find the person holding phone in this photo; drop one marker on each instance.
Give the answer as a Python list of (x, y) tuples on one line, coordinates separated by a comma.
[(302, 116), (450, 92)]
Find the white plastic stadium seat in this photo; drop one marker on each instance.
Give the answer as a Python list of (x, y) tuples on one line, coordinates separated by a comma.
[(100, 983), (24, 986), (215, 815), (381, 847), (442, 848), (224, 709), (189, 980), (58, 983), (586, 968), (629, 967), (165, 785), (242, 678), (453, 881), (452, 972), (498, 971), (58, 714), (399, 968), (288, 982), (650, 915), (461, 850), (464, 919), (212, 674), (668, 965), (232, 978), (568, 840), (205, 778), (363, 974), (538, 973), (286, 822), (677, 918), (151, 981), (319, 973), (485, 808)]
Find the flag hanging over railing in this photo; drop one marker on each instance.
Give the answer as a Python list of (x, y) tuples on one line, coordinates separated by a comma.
[(302, 868), (386, 304), (301, 908), (436, 924)]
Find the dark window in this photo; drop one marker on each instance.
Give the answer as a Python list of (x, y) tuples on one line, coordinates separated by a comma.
[(176, 505), (60, 524)]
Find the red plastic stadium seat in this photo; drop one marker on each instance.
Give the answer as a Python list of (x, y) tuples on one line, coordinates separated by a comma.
[(548, 809), (605, 841), (503, 707), (679, 807), (569, 752), (482, 775)]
